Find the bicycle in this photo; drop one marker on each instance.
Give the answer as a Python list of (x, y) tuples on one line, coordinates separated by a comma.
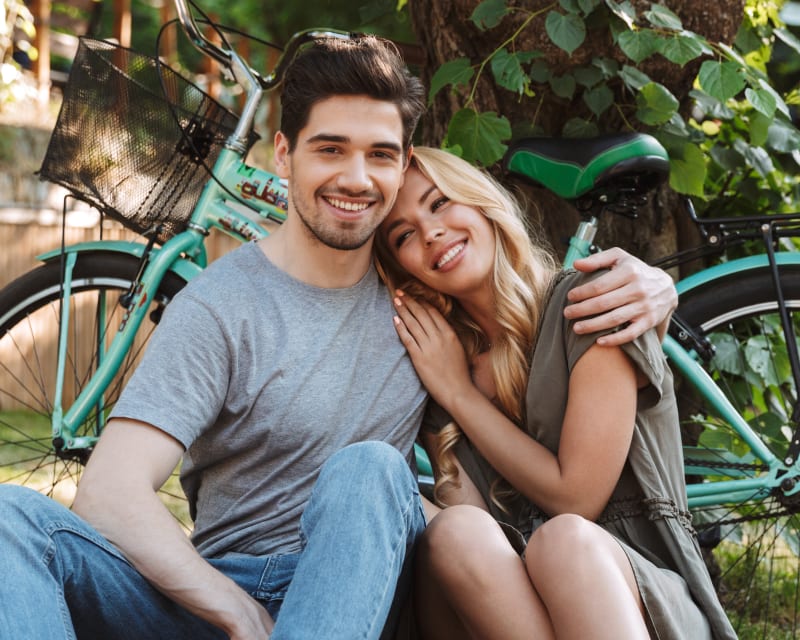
[(122, 287)]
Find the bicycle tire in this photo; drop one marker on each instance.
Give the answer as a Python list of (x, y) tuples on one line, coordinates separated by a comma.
[(752, 546), (29, 329)]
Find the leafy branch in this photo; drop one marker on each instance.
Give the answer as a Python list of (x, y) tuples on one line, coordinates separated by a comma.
[(738, 123)]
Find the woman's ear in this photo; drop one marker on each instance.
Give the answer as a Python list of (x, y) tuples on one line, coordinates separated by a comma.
[(281, 155)]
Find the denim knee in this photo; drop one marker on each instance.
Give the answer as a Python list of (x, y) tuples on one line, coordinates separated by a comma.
[(19, 504), (371, 466)]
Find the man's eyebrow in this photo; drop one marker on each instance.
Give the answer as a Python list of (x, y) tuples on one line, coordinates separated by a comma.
[(331, 137)]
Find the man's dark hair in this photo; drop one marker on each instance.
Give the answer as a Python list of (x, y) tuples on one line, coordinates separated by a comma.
[(365, 65)]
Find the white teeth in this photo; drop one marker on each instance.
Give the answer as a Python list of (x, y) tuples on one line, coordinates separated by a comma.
[(348, 206), (447, 257)]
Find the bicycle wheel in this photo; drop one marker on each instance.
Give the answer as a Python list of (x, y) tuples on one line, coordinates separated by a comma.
[(29, 329), (752, 544)]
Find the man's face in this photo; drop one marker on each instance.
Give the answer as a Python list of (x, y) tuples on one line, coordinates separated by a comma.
[(346, 169)]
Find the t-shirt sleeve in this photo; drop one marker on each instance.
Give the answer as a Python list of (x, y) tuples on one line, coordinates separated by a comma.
[(182, 381), (645, 351)]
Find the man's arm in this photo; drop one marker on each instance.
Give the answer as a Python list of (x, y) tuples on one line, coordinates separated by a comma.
[(117, 495), (631, 292)]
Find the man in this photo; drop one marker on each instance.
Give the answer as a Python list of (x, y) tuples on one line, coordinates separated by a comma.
[(278, 377)]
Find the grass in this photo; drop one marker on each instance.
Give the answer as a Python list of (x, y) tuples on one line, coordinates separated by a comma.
[(26, 458), (759, 583)]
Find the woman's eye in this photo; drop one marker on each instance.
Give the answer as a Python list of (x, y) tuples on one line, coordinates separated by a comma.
[(400, 238), (439, 202)]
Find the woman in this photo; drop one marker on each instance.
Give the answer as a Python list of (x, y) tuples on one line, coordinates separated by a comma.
[(537, 429)]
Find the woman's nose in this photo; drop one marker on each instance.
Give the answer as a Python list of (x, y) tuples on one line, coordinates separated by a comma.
[(433, 233)]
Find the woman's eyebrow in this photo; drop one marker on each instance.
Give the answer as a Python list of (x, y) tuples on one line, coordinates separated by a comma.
[(425, 195)]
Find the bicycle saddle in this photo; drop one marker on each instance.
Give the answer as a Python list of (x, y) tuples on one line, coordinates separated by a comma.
[(572, 167)]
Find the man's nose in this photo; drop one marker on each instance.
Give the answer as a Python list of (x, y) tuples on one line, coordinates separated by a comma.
[(355, 176)]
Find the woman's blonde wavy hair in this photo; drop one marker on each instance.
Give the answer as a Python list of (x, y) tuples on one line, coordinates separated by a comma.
[(523, 271)]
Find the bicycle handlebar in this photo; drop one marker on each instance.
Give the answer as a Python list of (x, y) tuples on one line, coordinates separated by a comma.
[(229, 59)]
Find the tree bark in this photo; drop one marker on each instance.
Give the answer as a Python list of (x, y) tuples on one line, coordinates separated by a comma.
[(445, 32)]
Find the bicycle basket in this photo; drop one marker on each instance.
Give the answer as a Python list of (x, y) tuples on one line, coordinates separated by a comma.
[(133, 136)]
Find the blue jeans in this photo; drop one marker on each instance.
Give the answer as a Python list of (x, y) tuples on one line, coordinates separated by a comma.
[(59, 578)]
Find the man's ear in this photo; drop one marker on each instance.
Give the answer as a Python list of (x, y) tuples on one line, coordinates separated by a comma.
[(406, 164), (281, 155), (409, 154)]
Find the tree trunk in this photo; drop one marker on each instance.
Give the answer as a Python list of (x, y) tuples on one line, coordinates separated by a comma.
[(445, 32)]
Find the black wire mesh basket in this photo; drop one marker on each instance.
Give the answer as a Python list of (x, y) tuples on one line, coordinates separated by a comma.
[(134, 138)]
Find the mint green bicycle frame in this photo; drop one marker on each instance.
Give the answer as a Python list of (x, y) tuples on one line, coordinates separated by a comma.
[(183, 254), (687, 363)]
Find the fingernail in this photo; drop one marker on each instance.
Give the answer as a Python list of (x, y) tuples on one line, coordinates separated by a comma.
[(398, 302)]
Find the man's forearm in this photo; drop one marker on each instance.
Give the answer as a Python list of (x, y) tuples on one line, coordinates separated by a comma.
[(139, 525)]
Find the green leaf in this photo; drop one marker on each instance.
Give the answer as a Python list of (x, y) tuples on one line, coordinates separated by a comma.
[(588, 76), (755, 157), (624, 11), (712, 107), (480, 135), (633, 78), (687, 171), (680, 49), (761, 359), (762, 101), (639, 44), (540, 72), (783, 136), (455, 72), (489, 13), (587, 6), (579, 128), (608, 66), (566, 31), (661, 17), (656, 104), (599, 99), (758, 129), (727, 357), (570, 6), (727, 158), (722, 80), (507, 71), (789, 38), (563, 86), (779, 102)]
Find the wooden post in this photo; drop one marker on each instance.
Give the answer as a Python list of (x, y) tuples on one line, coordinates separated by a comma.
[(41, 14), (122, 22), (170, 50)]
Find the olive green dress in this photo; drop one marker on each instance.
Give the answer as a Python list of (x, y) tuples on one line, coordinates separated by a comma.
[(648, 511)]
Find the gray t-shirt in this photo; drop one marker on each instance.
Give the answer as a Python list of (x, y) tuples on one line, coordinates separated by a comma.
[(262, 377)]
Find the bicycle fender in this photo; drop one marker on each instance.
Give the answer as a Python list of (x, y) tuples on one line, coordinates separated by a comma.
[(734, 266), (183, 268)]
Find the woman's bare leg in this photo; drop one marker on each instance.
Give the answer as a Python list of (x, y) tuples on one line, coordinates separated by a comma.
[(585, 580), (470, 583)]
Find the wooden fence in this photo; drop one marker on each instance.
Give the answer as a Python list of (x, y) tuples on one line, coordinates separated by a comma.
[(24, 368)]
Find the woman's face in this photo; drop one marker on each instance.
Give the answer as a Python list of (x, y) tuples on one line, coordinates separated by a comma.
[(446, 245)]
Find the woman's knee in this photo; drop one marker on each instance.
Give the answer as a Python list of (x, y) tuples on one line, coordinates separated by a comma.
[(563, 541), (463, 537)]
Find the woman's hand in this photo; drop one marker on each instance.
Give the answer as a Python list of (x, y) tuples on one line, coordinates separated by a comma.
[(434, 348)]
